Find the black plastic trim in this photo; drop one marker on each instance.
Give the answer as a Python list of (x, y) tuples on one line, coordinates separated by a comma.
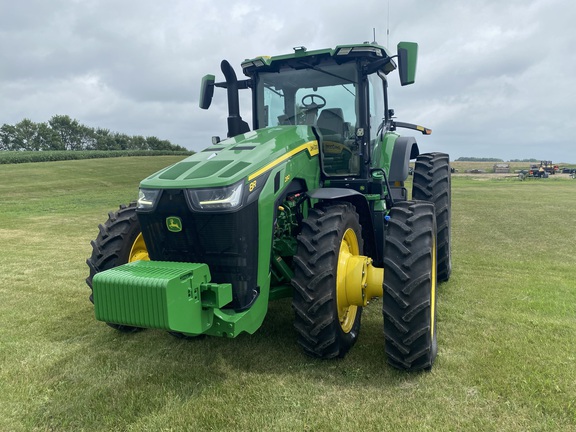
[(405, 149)]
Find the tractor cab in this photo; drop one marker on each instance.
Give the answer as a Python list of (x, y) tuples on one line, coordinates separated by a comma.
[(340, 93), (325, 97)]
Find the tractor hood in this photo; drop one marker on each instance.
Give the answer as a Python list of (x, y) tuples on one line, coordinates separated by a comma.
[(245, 156)]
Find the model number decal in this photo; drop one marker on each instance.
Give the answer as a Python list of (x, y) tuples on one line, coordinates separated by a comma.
[(311, 147)]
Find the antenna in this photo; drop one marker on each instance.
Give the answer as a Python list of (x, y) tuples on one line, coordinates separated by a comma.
[(388, 27), (374, 33)]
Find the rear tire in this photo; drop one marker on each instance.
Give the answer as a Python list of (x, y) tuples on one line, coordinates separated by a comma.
[(119, 242), (325, 328), (432, 183), (409, 304)]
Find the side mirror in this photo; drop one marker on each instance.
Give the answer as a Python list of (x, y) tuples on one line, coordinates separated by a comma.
[(407, 57), (207, 91)]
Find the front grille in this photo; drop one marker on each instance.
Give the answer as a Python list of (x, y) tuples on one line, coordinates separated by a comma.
[(227, 242)]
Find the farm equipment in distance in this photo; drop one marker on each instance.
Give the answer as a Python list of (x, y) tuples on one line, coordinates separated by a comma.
[(543, 170), (309, 203)]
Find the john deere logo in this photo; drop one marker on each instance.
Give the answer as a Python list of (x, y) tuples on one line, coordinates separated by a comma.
[(174, 224)]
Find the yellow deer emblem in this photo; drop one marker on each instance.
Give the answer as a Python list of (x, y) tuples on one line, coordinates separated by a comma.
[(174, 224)]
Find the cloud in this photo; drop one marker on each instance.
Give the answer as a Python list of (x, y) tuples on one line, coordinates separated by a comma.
[(494, 78)]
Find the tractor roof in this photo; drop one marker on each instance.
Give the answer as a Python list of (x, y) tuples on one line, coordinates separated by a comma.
[(302, 58)]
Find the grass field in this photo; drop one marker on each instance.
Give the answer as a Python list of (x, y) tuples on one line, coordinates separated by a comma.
[(506, 326)]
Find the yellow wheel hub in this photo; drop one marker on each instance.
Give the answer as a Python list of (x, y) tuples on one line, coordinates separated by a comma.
[(139, 252), (357, 281), (349, 249)]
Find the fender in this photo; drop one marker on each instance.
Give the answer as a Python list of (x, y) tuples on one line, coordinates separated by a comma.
[(405, 149), (359, 201)]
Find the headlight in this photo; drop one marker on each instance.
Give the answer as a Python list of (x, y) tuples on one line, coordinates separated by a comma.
[(147, 198), (224, 198)]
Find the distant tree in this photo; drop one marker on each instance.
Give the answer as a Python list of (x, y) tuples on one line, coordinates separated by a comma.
[(66, 128), (26, 131), (138, 142), (74, 136), (64, 133), (7, 137), (122, 141), (153, 143), (176, 147), (103, 139), (86, 137), (165, 145), (524, 160), (47, 138), (477, 159)]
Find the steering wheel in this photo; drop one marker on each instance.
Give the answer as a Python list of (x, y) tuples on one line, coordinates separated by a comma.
[(312, 104)]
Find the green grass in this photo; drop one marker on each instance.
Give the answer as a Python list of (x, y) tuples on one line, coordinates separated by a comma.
[(506, 325)]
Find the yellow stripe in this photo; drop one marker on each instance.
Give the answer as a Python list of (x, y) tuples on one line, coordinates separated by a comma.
[(311, 146)]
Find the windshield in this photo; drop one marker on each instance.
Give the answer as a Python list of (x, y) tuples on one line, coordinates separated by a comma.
[(281, 96), (324, 97)]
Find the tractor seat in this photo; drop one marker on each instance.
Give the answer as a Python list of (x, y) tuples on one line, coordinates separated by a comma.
[(337, 153), (331, 124)]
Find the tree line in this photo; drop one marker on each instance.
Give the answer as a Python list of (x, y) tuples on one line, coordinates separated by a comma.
[(478, 159), (64, 133)]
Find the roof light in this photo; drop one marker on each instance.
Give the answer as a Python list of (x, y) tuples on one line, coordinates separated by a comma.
[(344, 51), (259, 62), (360, 49)]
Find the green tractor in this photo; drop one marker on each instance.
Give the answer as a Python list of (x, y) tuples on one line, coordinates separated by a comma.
[(310, 203)]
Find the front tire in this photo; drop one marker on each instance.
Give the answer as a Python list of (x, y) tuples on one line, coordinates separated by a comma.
[(409, 304), (327, 327), (119, 242)]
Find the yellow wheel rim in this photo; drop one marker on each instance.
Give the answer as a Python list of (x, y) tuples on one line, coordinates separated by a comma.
[(346, 313), (138, 252), (433, 290)]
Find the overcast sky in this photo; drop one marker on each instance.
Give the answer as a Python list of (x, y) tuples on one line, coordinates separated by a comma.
[(495, 78)]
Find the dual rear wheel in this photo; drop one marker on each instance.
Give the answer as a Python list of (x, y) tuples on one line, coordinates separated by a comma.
[(326, 325), (432, 183), (409, 302)]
